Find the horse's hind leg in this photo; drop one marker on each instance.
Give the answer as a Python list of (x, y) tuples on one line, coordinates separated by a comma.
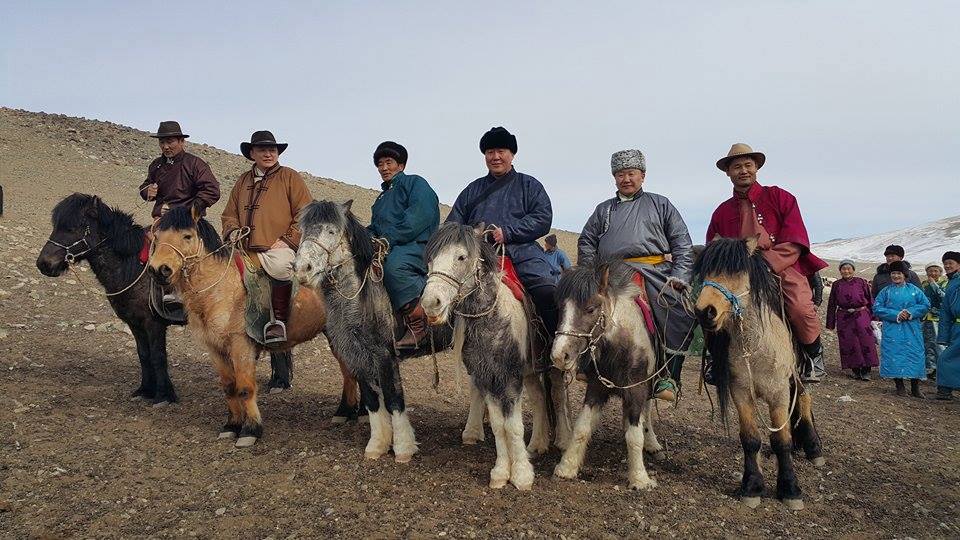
[(540, 434), (788, 489), (751, 487), (805, 434), (158, 360), (634, 403), (586, 423), (473, 431), (349, 407), (650, 442), (281, 371), (561, 405), (404, 440), (148, 383)]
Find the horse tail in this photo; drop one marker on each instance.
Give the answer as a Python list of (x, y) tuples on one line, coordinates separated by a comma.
[(718, 344)]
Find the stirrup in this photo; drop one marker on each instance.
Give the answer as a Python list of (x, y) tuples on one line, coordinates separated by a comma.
[(282, 325)]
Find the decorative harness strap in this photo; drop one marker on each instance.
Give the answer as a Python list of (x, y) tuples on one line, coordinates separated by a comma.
[(735, 306)]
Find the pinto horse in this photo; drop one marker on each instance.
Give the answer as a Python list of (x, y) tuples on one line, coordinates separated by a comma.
[(602, 332), (336, 257), (493, 338), (189, 256), (755, 357)]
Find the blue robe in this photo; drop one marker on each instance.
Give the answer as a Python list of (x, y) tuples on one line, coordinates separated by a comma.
[(406, 213), (523, 210), (901, 347), (948, 365)]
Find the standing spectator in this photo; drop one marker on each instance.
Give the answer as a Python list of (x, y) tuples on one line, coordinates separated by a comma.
[(849, 311), (900, 306), (948, 365), (935, 287), (555, 256), (893, 253)]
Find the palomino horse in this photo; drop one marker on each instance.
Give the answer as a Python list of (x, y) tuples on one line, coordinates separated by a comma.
[(189, 256), (602, 332), (754, 356), (493, 338), (86, 229), (336, 256)]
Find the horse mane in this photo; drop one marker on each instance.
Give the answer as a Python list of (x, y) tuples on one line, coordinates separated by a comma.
[(122, 234), (451, 233), (358, 237), (581, 283), (729, 257), (180, 218)]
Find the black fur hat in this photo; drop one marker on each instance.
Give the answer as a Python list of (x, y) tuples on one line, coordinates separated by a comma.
[(951, 256), (498, 137), (899, 266), (894, 249), (390, 149)]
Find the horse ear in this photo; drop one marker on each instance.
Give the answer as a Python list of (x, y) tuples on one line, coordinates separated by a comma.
[(346, 206), (716, 237), (479, 229), (752, 242), (604, 271), (196, 213)]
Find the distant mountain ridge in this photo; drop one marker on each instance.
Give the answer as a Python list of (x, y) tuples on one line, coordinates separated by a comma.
[(923, 243)]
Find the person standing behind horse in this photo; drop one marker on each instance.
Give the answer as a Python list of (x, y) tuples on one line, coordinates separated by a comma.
[(555, 256), (772, 213), (892, 254), (406, 214), (519, 211), (900, 306), (267, 199), (641, 228), (849, 312), (935, 287), (948, 365), (177, 177)]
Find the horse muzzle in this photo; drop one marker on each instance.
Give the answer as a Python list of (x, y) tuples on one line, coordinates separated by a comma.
[(709, 318), (162, 273), (50, 267)]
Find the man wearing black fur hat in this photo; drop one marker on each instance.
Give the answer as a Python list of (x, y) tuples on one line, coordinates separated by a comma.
[(405, 213), (893, 253), (517, 207)]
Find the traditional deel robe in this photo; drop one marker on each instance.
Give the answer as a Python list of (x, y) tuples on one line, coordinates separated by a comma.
[(773, 213), (406, 213), (901, 347), (948, 365), (849, 311), (181, 180), (523, 210), (646, 225)]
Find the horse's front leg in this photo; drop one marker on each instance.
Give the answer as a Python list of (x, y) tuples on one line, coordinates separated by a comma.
[(540, 434), (158, 358), (634, 404), (593, 402), (650, 442), (148, 385), (228, 383), (751, 487), (381, 431), (473, 431), (404, 439), (506, 423), (788, 489), (245, 366)]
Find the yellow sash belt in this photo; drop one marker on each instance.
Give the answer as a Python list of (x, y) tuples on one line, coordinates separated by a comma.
[(647, 259)]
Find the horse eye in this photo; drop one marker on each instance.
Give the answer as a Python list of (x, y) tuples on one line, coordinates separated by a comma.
[(591, 309), (462, 258), (187, 236)]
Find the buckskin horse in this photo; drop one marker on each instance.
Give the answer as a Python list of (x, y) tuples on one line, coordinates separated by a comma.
[(754, 357)]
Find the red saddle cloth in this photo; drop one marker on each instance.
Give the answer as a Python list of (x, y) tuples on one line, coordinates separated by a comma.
[(511, 279), (644, 303)]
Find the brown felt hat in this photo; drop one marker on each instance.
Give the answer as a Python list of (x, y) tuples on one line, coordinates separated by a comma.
[(168, 128), (261, 138), (740, 150)]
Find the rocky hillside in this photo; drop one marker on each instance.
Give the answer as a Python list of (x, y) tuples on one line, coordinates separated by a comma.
[(46, 157)]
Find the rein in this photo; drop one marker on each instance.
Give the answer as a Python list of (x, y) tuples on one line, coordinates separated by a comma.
[(189, 262), (478, 277), (381, 249), (72, 260)]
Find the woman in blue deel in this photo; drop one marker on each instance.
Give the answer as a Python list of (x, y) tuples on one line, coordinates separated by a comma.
[(901, 306)]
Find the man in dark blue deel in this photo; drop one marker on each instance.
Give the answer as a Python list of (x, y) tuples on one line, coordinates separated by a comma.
[(518, 208)]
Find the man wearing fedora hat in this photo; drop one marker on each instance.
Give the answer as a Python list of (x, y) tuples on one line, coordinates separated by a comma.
[(177, 177), (267, 199), (772, 214)]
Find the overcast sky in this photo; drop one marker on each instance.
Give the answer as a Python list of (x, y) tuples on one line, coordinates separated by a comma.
[(855, 103)]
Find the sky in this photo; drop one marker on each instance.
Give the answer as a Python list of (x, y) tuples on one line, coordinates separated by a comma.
[(856, 104)]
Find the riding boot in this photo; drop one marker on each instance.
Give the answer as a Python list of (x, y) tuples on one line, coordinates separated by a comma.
[(668, 388), (416, 322), (915, 389), (276, 330), (813, 369), (901, 389)]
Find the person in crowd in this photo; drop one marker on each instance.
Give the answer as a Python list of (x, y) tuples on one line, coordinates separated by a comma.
[(555, 256), (935, 287), (901, 306), (948, 364), (892, 254), (849, 312)]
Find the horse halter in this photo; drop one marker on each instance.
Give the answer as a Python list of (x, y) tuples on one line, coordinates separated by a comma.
[(735, 306), (592, 337), (458, 283), (71, 257)]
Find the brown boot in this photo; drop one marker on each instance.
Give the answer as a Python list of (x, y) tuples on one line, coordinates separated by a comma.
[(275, 331), (416, 322)]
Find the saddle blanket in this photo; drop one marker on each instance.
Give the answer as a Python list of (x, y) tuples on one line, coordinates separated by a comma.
[(511, 279), (644, 303)]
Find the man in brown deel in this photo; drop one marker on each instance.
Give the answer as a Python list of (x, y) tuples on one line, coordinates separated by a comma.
[(267, 199), (177, 178)]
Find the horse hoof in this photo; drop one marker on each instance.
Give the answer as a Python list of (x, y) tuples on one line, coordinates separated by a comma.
[(643, 485), (365, 419), (793, 504), (246, 442), (161, 404), (750, 502), (818, 461), (339, 420), (227, 435), (403, 458), (372, 455), (275, 390), (498, 483), (136, 397), (659, 455), (524, 487), (537, 450), (471, 441)]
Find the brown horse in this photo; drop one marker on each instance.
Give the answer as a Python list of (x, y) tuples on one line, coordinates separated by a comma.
[(755, 357), (189, 256)]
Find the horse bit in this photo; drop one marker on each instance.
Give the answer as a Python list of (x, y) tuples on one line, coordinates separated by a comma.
[(70, 257)]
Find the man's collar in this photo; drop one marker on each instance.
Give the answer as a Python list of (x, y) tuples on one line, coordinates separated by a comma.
[(509, 175), (623, 198), (175, 159), (268, 172), (753, 193), (385, 185)]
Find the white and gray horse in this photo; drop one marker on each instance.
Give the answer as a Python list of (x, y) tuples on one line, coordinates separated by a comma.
[(494, 339), (602, 332)]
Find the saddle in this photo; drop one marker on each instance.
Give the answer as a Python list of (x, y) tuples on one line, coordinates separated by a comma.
[(537, 331), (257, 310)]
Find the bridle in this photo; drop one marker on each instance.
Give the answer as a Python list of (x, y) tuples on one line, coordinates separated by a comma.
[(71, 257), (381, 249), (189, 261), (458, 284), (736, 307)]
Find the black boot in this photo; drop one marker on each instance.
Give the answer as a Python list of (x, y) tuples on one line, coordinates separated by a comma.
[(915, 389), (813, 368), (901, 389), (275, 331)]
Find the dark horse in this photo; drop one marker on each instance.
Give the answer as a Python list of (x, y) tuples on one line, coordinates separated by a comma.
[(86, 229), (755, 357)]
